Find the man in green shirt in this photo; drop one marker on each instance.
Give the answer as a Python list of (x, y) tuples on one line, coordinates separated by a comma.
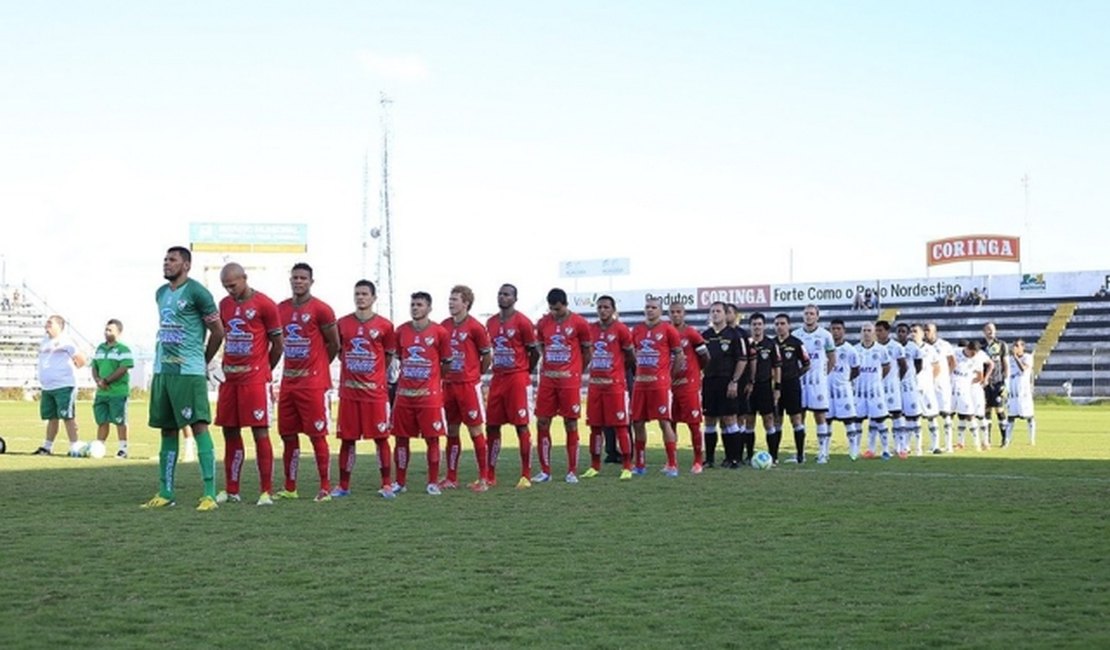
[(179, 391), (111, 367)]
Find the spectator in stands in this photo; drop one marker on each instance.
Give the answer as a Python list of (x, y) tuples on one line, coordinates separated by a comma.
[(950, 299), (976, 298), (59, 359), (870, 300), (857, 304), (5, 301), (17, 298), (1102, 293)]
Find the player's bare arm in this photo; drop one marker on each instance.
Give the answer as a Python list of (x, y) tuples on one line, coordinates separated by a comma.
[(277, 347), (215, 337), (331, 340)]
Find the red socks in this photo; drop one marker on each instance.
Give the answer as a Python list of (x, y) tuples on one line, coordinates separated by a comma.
[(572, 451), (624, 442), (696, 440), (233, 462), (346, 463), (265, 456), (323, 462), (543, 447), (640, 446), (525, 438), (401, 460), (597, 444), (454, 450), (493, 450), (672, 455), (480, 456), (433, 459), (290, 459), (385, 457)]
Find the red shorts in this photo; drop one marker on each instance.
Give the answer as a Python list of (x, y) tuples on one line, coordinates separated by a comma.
[(410, 421), (243, 405), (563, 401), (650, 404), (303, 411), (360, 420), (462, 403), (508, 399), (607, 408), (686, 406)]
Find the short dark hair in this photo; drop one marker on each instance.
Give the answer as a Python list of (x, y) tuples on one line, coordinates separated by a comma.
[(302, 266), (511, 286), (422, 295), (883, 325), (901, 325), (607, 297), (783, 315), (836, 321), (756, 316), (368, 284), (733, 307), (718, 302), (185, 253), (556, 297), (116, 322)]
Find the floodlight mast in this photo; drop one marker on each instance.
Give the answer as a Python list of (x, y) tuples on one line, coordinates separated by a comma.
[(385, 233)]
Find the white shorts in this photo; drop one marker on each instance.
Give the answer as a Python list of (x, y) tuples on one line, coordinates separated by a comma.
[(911, 399), (815, 396), (893, 394), (871, 402), (969, 400), (1020, 405), (944, 397), (842, 402)]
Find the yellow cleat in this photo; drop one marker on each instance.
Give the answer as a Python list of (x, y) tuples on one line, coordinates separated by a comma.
[(590, 473), (287, 494), (626, 475), (207, 503), (158, 501), (523, 483)]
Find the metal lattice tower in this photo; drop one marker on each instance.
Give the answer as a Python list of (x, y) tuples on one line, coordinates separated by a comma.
[(385, 234)]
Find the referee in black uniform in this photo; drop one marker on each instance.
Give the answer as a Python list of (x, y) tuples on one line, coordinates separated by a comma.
[(723, 379), (766, 371), (795, 363)]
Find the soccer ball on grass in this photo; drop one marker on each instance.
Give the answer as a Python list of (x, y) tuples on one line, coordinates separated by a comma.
[(762, 460)]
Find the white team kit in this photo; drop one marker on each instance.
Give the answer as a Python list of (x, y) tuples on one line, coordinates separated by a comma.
[(967, 389), (870, 396), (1020, 387), (943, 382), (926, 387), (815, 383), (911, 400), (892, 383), (842, 396)]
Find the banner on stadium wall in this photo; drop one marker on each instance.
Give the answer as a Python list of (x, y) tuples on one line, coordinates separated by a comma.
[(633, 301), (914, 290), (219, 237), (744, 297), (973, 248)]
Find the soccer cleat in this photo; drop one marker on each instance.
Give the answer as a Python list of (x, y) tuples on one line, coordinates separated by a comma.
[(853, 457), (670, 471), (287, 494), (121, 454), (225, 497), (709, 464), (42, 451), (433, 490), (265, 499), (387, 493), (822, 460), (590, 473), (886, 455), (696, 468), (158, 501), (571, 478), (479, 486), (542, 477), (626, 474), (448, 485), (639, 471), (207, 503), (868, 454), (523, 483), (321, 496), (339, 493), (937, 451), (397, 488)]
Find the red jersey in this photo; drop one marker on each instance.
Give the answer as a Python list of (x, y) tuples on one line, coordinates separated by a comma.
[(363, 346), (691, 341), (469, 341), (510, 340), (422, 353), (562, 343), (607, 364), (306, 351), (248, 326), (654, 346)]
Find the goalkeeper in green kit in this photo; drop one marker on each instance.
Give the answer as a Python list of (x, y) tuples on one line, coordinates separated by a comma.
[(179, 391)]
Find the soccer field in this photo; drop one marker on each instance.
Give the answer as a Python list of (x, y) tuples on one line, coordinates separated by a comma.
[(1003, 548)]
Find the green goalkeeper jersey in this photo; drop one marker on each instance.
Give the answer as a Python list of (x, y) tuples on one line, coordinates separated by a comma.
[(108, 359), (182, 314)]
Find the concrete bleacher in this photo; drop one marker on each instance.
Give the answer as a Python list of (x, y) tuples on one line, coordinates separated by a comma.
[(1080, 357), (21, 333)]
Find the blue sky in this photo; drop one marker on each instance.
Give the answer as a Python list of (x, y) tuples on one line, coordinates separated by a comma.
[(704, 140)]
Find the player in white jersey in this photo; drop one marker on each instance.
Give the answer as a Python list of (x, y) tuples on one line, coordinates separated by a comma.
[(818, 343), (842, 398), (892, 387), (874, 365), (973, 367), (1020, 388), (927, 371), (942, 381), (911, 401)]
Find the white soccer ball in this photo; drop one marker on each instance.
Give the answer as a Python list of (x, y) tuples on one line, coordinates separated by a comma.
[(96, 449), (79, 450), (762, 460)]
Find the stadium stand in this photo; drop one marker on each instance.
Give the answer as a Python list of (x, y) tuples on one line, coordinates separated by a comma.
[(21, 332), (1080, 363)]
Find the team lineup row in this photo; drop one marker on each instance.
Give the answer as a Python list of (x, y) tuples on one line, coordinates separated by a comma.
[(724, 376)]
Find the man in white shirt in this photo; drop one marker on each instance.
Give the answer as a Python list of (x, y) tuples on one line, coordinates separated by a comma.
[(59, 359)]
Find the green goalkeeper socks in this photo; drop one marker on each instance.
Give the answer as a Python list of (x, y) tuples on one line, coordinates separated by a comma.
[(206, 456), (167, 465)]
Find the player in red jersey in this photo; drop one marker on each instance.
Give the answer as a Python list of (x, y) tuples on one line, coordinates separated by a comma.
[(607, 397), (462, 386), (514, 358), (311, 343), (659, 359), (367, 345), (686, 404), (563, 339), (251, 350), (425, 352)]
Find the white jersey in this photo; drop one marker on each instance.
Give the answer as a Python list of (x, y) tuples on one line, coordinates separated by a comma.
[(967, 389), (870, 397), (926, 389), (1020, 386), (815, 383), (911, 399), (56, 367), (944, 350), (892, 383), (842, 398)]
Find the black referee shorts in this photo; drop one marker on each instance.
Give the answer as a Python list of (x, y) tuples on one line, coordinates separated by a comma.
[(714, 397), (763, 398), (790, 398), (995, 395)]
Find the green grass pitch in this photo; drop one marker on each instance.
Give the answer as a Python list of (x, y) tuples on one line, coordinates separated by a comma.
[(1008, 548)]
